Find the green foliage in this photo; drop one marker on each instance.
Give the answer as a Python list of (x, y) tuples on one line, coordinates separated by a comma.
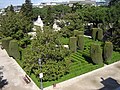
[(26, 9), (73, 44), (94, 33), (5, 43), (108, 49), (115, 57), (49, 13), (76, 33), (15, 26), (14, 49), (9, 9), (75, 22), (96, 54), (44, 46), (64, 41), (81, 42), (100, 34)]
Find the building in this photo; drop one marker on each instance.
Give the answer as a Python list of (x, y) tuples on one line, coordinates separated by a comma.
[(90, 2), (17, 8), (100, 2)]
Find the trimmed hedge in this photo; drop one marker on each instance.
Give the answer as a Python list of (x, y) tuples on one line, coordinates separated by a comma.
[(81, 42), (94, 32), (81, 33), (73, 44), (5, 43), (14, 49), (108, 49), (96, 54), (76, 33), (100, 34)]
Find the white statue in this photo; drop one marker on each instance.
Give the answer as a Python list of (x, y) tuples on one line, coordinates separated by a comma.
[(39, 22), (55, 26)]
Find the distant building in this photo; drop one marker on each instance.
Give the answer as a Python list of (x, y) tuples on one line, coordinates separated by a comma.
[(100, 2), (17, 8), (2, 11), (91, 2), (42, 4)]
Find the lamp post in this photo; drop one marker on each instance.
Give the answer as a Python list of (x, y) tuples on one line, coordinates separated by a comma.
[(41, 74)]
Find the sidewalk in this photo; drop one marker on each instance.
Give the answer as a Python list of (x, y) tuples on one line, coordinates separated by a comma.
[(105, 78), (14, 74)]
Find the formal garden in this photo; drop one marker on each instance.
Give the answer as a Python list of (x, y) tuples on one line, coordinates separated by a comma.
[(91, 34)]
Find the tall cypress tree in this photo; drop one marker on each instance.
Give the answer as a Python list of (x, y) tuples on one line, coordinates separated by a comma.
[(26, 9)]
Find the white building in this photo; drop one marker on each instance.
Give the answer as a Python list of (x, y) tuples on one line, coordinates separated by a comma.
[(91, 2)]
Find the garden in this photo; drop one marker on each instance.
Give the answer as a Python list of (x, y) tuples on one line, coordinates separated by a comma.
[(92, 38)]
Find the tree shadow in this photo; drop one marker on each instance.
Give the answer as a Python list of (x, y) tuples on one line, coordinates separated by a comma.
[(3, 82), (88, 59), (109, 84)]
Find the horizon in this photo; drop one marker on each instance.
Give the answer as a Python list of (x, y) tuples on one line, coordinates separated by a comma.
[(5, 3)]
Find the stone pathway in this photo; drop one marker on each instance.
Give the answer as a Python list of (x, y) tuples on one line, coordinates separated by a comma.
[(105, 78), (14, 74)]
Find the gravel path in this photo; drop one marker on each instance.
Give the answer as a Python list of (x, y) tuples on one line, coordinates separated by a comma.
[(14, 74), (105, 78)]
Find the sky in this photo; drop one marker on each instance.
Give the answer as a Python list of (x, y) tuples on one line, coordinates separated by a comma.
[(5, 3)]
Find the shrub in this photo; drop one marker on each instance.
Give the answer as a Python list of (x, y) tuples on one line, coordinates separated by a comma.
[(108, 49), (14, 49), (73, 44), (80, 32), (76, 33), (81, 42), (5, 43), (96, 54), (94, 33), (100, 34)]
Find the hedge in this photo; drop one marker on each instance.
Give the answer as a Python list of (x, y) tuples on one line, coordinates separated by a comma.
[(100, 34), (5, 43), (94, 33), (81, 42), (73, 44), (14, 49), (76, 33), (96, 54), (108, 49)]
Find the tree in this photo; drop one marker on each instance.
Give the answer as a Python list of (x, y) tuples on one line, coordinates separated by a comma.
[(113, 2), (17, 27), (47, 47), (9, 9), (113, 33), (26, 9)]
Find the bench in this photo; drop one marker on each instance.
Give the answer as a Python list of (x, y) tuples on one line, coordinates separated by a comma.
[(27, 79)]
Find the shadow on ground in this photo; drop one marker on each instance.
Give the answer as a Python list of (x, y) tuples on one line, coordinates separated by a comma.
[(3, 82), (109, 84)]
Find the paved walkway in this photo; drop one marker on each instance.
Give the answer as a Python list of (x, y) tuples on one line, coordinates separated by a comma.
[(14, 74), (105, 78)]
